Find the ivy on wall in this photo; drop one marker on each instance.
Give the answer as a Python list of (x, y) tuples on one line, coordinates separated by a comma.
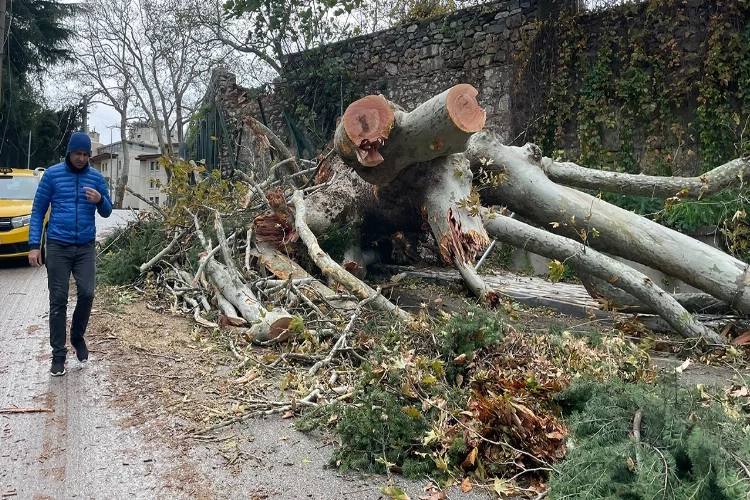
[(660, 87), (316, 94)]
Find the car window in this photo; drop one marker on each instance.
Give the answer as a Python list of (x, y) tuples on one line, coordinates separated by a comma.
[(18, 187)]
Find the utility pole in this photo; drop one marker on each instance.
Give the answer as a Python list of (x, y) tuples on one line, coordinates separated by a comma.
[(28, 153), (2, 45)]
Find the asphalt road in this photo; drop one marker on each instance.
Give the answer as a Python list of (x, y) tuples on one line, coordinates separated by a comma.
[(82, 448), (78, 449)]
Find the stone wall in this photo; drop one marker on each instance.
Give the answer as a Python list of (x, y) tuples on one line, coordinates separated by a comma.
[(411, 63), (482, 46)]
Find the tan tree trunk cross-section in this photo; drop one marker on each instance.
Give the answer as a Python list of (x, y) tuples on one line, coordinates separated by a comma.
[(378, 139)]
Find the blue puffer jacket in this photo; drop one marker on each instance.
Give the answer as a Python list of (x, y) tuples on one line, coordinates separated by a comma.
[(73, 217)]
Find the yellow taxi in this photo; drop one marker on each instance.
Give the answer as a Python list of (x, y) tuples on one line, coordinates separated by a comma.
[(17, 190)]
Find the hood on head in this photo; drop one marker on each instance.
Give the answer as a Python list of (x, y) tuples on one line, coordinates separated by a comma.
[(79, 141)]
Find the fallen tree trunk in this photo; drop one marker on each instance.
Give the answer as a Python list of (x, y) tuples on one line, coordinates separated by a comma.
[(526, 190), (285, 268), (378, 139), (730, 175), (460, 237), (265, 325), (616, 298), (550, 245)]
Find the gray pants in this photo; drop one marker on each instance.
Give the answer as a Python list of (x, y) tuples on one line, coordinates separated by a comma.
[(62, 260)]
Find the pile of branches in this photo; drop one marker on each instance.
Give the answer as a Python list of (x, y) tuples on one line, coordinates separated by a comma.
[(470, 397)]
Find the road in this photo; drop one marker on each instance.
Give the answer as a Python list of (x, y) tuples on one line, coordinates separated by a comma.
[(84, 448), (78, 449)]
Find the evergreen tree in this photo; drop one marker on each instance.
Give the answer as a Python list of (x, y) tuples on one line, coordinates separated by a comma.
[(36, 39)]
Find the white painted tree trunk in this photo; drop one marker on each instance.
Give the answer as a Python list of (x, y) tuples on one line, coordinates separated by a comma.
[(525, 189)]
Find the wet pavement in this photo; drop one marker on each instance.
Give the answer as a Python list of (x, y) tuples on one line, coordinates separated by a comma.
[(84, 448), (78, 448)]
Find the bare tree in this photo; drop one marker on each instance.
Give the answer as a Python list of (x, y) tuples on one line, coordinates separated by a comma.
[(270, 30), (102, 56), (155, 55)]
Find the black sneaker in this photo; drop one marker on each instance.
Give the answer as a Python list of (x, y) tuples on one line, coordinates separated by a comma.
[(82, 353), (58, 366)]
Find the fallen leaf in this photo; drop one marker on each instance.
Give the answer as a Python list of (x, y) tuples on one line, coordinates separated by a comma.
[(466, 484), (555, 435), (739, 393), (743, 339), (394, 492), (433, 493), (288, 414), (631, 464), (504, 488), (471, 459)]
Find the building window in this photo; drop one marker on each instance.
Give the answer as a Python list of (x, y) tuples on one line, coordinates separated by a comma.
[(156, 200), (119, 164), (154, 166), (153, 184)]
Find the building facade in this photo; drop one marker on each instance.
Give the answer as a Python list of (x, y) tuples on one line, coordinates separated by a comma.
[(145, 175)]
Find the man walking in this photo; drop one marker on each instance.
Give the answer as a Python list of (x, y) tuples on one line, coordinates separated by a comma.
[(76, 192)]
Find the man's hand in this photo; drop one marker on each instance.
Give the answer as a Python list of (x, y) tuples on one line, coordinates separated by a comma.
[(92, 195), (35, 257)]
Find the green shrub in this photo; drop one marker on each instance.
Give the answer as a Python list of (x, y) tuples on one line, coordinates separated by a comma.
[(690, 446), (129, 247), (380, 432), (467, 333)]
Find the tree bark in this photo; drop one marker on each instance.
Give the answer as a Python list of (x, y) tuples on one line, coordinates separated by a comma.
[(285, 268), (378, 139), (122, 179), (331, 269), (523, 187), (266, 325), (550, 245), (460, 237), (702, 303), (727, 176)]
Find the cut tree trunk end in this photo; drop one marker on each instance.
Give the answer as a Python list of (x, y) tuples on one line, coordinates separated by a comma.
[(378, 139), (365, 126), (553, 246), (524, 189)]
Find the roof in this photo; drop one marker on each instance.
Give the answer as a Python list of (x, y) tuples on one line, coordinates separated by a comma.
[(151, 156), (103, 156)]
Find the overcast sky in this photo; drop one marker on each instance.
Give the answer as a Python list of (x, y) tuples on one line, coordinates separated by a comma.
[(106, 121)]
